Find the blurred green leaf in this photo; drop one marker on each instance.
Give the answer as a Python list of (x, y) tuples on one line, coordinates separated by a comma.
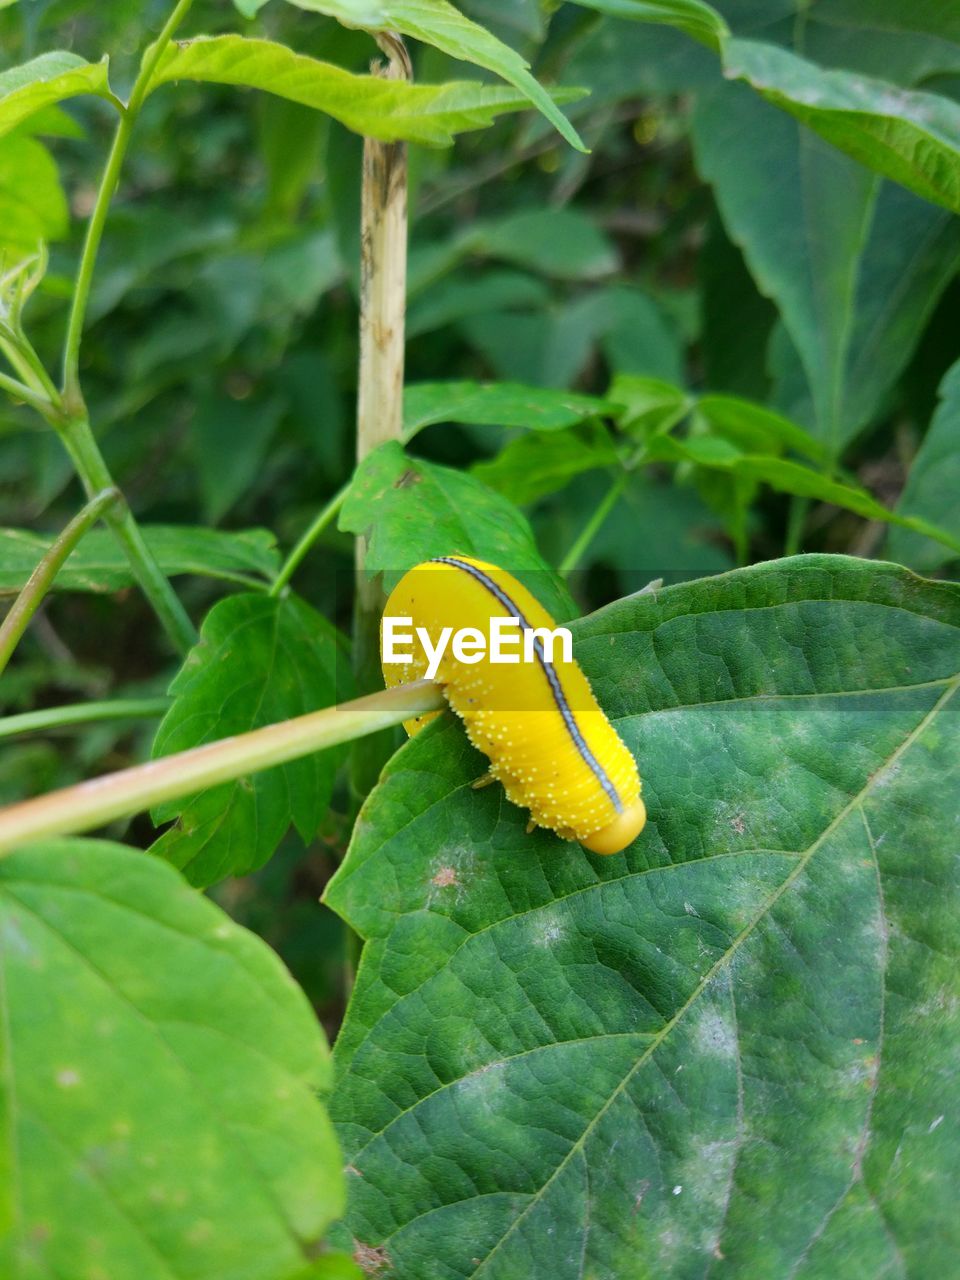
[(932, 490), (386, 109), (50, 78), (504, 404), (555, 345), (99, 563), (33, 208), (409, 510), (913, 138), (755, 428), (737, 319), (564, 243), (649, 404), (160, 1077), (534, 465), (291, 137), (461, 296), (438, 23), (635, 334), (231, 438), (693, 17), (259, 660), (144, 240), (790, 477), (909, 258), (620, 1066), (854, 266)]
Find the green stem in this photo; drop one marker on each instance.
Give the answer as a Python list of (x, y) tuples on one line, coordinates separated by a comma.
[(20, 391), (28, 364), (83, 713), (292, 562), (88, 461), (93, 804), (108, 185), (41, 580), (796, 523), (593, 525)]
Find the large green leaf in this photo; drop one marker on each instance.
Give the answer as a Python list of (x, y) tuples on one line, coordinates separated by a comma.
[(45, 80), (410, 510), (100, 564), (504, 404), (933, 484), (158, 1081), (854, 266), (730, 1048), (33, 207), (438, 23), (913, 138), (691, 16), (259, 660), (903, 43), (385, 109)]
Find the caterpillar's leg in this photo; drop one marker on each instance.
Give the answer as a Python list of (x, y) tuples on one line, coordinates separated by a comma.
[(485, 780), (531, 827)]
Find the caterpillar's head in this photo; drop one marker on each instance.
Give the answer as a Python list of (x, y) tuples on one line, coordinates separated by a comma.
[(623, 830)]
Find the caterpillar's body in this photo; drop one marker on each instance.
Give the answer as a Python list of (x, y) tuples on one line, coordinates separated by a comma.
[(549, 743)]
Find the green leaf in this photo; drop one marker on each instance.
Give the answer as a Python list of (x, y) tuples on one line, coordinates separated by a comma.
[(159, 1078), (755, 428), (33, 208), (913, 138), (409, 510), (462, 296), (694, 17), (385, 109), (532, 466), (649, 404), (503, 404), (620, 1066), (933, 484), (231, 438), (45, 80), (854, 266), (100, 564), (564, 243), (719, 453), (259, 660), (438, 23)]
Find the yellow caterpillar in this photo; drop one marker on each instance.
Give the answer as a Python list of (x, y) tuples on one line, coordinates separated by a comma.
[(549, 743)]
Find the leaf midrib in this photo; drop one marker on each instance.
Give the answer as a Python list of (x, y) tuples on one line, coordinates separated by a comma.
[(802, 863)]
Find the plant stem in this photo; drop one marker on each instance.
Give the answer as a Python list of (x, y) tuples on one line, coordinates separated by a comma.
[(83, 713), (19, 391), (90, 466), (383, 300), (93, 804), (28, 364), (383, 270), (292, 562), (41, 580), (108, 185), (593, 525)]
